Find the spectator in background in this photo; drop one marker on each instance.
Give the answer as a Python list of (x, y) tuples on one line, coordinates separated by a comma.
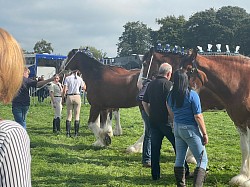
[(71, 88), (41, 92), (15, 159), (146, 149), (55, 91), (21, 103)]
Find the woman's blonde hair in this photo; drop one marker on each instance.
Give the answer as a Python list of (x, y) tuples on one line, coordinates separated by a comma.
[(11, 66)]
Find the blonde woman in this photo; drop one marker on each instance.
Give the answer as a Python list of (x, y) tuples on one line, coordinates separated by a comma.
[(15, 156)]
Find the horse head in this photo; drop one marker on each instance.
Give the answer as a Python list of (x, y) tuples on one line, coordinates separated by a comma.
[(153, 59), (197, 78), (68, 63)]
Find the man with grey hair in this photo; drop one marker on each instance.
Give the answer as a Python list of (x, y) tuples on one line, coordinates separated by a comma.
[(154, 103)]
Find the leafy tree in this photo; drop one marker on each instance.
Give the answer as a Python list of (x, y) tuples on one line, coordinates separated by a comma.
[(230, 17), (171, 30), (201, 29), (43, 47), (242, 36), (98, 54), (211, 26), (135, 39)]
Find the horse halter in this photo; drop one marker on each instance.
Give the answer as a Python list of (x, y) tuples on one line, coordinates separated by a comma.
[(65, 65), (149, 67), (193, 70)]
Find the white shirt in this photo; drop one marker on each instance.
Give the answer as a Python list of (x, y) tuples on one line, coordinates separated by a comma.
[(56, 88), (73, 84)]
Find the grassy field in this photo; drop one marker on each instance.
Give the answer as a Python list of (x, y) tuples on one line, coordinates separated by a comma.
[(74, 162)]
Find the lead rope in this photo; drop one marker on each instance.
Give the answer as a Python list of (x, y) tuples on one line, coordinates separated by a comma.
[(150, 65), (58, 73), (64, 66)]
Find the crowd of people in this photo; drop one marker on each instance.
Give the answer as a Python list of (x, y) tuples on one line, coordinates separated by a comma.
[(161, 101)]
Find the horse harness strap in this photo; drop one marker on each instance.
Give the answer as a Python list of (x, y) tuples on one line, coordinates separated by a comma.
[(69, 61), (196, 69), (151, 59)]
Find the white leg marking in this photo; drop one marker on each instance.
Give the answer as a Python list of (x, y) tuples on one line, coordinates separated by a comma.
[(137, 147), (242, 178), (118, 128), (98, 133), (107, 127), (98, 143), (190, 157)]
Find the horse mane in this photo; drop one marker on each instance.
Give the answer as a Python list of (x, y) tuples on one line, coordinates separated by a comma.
[(229, 58)]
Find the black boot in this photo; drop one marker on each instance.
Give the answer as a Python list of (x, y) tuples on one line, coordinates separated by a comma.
[(179, 173), (54, 125), (58, 126), (68, 126), (199, 177), (76, 126)]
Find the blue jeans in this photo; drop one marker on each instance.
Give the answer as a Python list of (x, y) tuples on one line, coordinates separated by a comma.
[(146, 149), (20, 114), (189, 136), (158, 131)]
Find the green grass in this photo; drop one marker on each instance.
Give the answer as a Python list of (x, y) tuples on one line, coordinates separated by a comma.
[(74, 162)]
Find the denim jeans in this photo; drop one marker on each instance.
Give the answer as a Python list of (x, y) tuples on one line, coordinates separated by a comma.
[(20, 114), (189, 136), (146, 149), (158, 131)]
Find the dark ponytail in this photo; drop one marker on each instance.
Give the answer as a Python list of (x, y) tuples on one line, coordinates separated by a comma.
[(180, 88)]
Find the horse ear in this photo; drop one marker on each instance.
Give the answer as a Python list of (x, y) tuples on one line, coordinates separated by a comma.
[(152, 50), (193, 54)]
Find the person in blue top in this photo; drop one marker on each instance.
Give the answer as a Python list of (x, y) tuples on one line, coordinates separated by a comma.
[(189, 128)]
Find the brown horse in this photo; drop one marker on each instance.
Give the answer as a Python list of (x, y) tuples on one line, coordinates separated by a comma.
[(115, 112), (228, 79), (108, 87), (208, 99)]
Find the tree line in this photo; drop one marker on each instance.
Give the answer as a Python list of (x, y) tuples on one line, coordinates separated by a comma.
[(226, 26)]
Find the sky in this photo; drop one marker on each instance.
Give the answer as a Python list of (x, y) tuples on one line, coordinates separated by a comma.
[(69, 24)]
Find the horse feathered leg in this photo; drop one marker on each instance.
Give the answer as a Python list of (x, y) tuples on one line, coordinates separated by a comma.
[(103, 139), (118, 128), (137, 147), (243, 178), (106, 122), (190, 157)]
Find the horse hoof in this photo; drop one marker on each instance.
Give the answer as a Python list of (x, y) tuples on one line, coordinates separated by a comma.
[(107, 140)]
